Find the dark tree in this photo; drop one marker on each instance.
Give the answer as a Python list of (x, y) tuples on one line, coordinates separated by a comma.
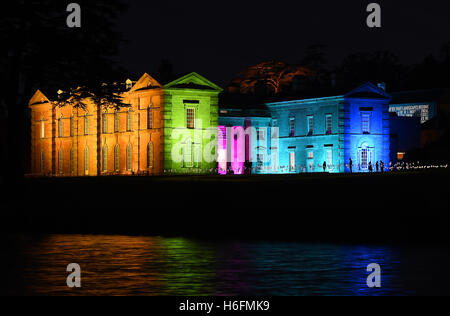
[(427, 74), (42, 52), (315, 57), (380, 66)]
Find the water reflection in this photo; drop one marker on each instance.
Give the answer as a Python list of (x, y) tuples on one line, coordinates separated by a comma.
[(123, 265)]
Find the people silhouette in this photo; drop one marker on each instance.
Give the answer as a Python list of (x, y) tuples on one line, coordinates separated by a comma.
[(351, 165), (370, 167), (377, 166), (382, 166), (324, 166)]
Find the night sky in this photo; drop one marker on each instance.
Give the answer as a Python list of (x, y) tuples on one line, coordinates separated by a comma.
[(219, 39)]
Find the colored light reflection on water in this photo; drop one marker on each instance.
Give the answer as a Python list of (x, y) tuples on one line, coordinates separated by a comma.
[(123, 265)]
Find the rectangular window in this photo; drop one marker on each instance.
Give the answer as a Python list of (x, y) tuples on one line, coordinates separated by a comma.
[(188, 161), (292, 161), (365, 123), (275, 133), (275, 160), (42, 129), (150, 155), (105, 158), (364, 158), (72, 126), (129, 121), (105, 123), (150, 118), (329, 157), (292, 127), (260, 161), (197, 155), (129, 157), (190, 118), (86, 161), (329, 124), (60, 161), (261, 134), (310, 125), (86, 125), (61, 127), (116, 122)]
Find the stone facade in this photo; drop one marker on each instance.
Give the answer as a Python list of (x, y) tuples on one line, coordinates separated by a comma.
[(301, 135), (69, 141)]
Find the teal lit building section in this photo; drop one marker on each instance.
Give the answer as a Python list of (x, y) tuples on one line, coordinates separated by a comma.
[(320, 134), (309, 134)]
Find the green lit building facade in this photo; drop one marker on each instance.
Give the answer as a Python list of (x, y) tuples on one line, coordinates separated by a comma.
[(191, 113)]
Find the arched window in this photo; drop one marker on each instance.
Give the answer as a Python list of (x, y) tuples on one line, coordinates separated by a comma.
[(129, 156), (364, 156), (105, 123), (116, 122), (150, 155), (61, 127), (86, 160), (72, 161), (129, 121), (42, 128), (150, 118), (86, 125), (105, 158), (42, 166), (117, 158), (60, 161)]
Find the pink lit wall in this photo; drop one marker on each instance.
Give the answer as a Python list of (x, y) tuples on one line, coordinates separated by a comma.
[(232, 151), (222, 150), (238, 150)]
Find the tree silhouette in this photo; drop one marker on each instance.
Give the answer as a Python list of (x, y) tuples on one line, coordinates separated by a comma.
[(269, 76), (380, 66), (44, 53)]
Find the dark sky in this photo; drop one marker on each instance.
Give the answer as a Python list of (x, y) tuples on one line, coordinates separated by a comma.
[(219, 39)]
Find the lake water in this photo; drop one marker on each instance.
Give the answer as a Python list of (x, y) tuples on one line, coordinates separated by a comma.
[(125, 265)]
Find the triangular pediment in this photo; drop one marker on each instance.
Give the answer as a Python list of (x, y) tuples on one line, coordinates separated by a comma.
[(146, 82), (193, 81), (368, 91), (38, 98)]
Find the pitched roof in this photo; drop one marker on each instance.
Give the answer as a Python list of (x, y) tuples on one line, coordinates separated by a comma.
[(146, 82), (368, 91), (193, 81), (38, 98)]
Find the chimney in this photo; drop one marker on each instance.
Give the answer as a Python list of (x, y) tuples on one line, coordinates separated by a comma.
[(382, 86)]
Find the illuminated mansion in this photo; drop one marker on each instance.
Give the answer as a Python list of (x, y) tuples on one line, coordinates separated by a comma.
[(309, 135)]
